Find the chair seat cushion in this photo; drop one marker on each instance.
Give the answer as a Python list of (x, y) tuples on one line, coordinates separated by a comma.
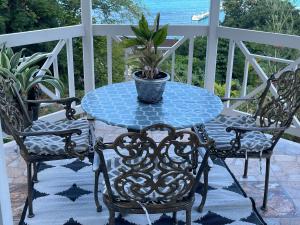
[(54, 145), (115, 167), (253, 141)]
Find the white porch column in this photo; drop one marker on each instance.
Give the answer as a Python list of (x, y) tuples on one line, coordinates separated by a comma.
[(5, 205), (212, 45), (88, 45)]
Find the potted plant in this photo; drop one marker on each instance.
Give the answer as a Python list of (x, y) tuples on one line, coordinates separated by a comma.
[(24, 71), (149, 80)]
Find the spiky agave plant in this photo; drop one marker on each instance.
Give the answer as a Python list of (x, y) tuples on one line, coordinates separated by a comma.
[(24, 71), (145, 47)]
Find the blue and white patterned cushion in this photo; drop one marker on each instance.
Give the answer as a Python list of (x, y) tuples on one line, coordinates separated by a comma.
[(254, 141), (114, 167), (54, 145)]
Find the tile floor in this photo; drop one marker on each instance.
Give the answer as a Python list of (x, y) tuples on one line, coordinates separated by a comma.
[(284, 195)]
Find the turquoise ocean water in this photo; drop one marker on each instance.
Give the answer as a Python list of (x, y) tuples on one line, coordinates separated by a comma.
[(181, 11)]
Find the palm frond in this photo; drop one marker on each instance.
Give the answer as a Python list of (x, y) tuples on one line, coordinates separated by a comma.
[(31, 62), (15, 60), (4, 61)]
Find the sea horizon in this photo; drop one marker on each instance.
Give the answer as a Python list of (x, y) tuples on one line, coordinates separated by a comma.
[(179, 12)]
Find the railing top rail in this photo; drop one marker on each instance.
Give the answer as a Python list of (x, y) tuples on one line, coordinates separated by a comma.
[(174, 30), (46, 35), (261, 37), (40, 36)]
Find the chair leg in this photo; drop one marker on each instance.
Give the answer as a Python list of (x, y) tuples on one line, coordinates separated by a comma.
[(188, 214), (29, 190), (205, 190), (268, 162), (246, 168), (111, 217), (174, 218), (35, 176), (99, 207)]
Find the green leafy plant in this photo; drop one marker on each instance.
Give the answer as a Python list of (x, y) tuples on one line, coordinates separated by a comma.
[(146, 55), (24, 71)]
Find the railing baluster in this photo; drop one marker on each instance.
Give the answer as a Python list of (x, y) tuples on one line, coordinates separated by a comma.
[(252, 60), (190, 62), (229, 70), (173, 48), (245, 79), (51, 58), (126, 72), (249, 95), (212, 45), (173, 66), (88, 45), (296, 122), (70, 60), (109, 59), (56, 75), (261, 72), (49, 61), (5, 202)]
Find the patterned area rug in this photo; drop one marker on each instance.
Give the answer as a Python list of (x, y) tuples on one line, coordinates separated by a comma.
[(64, 196)]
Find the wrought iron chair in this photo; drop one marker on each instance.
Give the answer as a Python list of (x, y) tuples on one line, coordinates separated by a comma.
[(159, 177), (41, 140), (245, 136)]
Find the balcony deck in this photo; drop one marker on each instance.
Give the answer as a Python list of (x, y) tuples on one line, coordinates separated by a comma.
[(284, 200)]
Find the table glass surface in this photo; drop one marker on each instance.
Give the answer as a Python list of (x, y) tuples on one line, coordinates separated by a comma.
[(182, 106)]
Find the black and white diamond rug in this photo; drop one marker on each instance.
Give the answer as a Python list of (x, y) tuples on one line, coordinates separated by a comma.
[(64, 196)]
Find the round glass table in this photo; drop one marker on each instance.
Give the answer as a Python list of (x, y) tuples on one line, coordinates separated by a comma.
[(182, 106)]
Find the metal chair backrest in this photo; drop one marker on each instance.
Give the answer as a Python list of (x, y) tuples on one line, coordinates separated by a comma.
[(13, 112), (151, 172), (279, 110)]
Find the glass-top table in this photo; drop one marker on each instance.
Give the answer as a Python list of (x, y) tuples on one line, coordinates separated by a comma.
[(182, 106)]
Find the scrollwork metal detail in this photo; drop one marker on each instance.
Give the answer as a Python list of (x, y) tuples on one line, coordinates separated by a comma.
[(278, 111), (70, 146), (272, 112), (70, 112), (10, 107), (151, 172)]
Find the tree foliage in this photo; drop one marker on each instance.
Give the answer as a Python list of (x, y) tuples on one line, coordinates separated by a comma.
[(26, 15), (277, 16)]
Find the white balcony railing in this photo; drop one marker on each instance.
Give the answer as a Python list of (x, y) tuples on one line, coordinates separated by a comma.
[(65, 35)]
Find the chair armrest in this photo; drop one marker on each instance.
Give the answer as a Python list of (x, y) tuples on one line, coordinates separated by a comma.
[(239, 131), (96, 161), (237, 99), (61, 133), (62, 101), (261, 129), (101, 146), (66, 134), (67, 102)]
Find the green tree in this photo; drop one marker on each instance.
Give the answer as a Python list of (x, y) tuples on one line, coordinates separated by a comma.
[(28, 15), (266, 15), (278, 16), (3, 15), (25, 15)]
